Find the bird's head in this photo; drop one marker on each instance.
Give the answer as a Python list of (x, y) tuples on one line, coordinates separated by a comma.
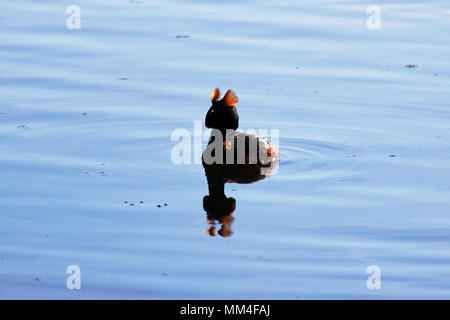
[(223, 113)]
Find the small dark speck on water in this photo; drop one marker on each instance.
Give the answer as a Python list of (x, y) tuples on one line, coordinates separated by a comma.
[(410, 66), (158, 205), (37, 279), (123, 78), (141, 201), (22, 126), (179, 36), (131, 204), (125, 202), (165, 204), (392, 155), (165, 274), (84, 113)]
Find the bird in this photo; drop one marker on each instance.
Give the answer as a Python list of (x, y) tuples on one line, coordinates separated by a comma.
[(223, 118), (238, 147)]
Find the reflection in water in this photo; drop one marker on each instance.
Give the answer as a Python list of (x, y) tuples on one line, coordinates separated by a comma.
[(219, 208)]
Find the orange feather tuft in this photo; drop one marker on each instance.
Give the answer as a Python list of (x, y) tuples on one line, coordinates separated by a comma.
[(230, 99), (215, 94)]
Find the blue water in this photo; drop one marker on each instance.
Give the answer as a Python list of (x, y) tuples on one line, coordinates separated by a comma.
[(86, 118)]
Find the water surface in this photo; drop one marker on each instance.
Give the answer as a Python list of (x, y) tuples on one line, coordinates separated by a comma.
[(86, 118)]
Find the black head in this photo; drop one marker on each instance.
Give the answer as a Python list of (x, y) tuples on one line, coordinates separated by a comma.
[(223, 114)]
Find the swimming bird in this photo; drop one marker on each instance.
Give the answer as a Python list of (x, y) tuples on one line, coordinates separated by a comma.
[(235, 146), (238, 147)]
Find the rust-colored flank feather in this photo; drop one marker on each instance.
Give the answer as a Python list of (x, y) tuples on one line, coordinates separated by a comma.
[(230, 99)]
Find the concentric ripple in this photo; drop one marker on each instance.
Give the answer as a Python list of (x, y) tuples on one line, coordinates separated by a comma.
[(313, 159)]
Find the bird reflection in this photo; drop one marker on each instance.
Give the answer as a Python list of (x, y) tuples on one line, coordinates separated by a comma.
[(220, 208), (231, 156)]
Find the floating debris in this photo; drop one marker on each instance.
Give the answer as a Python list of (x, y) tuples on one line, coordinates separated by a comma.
[(410, 66), (165, 204), (179, 36), (125, 202), (165, 274), (355, 179), (123, 78), (392, 155), (268, 259), (96, 174), (22, 126), (141, 201)]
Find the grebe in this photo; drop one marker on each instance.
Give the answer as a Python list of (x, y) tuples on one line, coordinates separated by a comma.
[(238, 147), (223, 118)]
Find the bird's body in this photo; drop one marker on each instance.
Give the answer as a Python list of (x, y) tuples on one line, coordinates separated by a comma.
[(241, 147)]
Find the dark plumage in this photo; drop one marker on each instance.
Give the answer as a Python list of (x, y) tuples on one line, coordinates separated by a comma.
[(223, 114)]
